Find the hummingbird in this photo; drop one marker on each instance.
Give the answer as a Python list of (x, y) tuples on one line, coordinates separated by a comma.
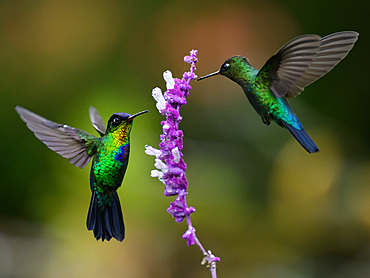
[(294, 66), (110, 153)]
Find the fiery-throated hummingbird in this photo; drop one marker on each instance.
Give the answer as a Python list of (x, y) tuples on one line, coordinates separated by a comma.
[(297, 64), (110, 155)]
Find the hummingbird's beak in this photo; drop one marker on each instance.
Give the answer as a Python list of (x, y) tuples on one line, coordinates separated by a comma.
[(137, 114), (209, 75)]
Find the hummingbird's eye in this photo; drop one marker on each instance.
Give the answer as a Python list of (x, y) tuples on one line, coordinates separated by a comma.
[(226, 65), (116, 121)]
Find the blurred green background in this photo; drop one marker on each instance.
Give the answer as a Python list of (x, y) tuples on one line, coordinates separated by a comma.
[(264, 205)]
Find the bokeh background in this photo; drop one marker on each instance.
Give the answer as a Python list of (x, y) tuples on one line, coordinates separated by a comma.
[(264, 205)]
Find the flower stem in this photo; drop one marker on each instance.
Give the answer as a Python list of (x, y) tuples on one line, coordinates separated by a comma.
[(209, 259)]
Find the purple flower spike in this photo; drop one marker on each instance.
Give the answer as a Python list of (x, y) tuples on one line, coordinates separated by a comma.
[(169, 158)]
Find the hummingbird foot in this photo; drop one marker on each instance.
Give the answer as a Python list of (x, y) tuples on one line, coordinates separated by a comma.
[(265, 121)]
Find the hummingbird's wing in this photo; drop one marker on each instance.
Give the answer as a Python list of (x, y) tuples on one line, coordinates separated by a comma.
[(72, 143), (96, 121), (290, 63), (333, 49), (305, 59)]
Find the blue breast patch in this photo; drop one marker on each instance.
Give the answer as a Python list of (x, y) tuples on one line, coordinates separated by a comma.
[(120, 153)]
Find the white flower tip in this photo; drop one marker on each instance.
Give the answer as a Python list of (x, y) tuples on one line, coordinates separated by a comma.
[(167, 76), (149, 150), (160, 165), (157, 95), (156, 92), (166, 126), (156, 173), (176, 154)]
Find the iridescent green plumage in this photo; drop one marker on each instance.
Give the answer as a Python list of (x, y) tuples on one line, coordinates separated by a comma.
[(110, 155), (296, 65), (257, 90)]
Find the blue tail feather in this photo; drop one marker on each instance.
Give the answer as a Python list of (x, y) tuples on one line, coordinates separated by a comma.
[(302, 137)]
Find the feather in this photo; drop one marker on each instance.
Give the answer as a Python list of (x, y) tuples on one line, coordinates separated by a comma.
[(333, 49), (117, 218), (91, 215), (305, 59), (290, 63), (302, 137), (67, 141), (97, 121), (106, 221)]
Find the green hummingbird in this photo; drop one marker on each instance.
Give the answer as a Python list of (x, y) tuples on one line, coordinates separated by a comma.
[(110, 155), (297, 64)]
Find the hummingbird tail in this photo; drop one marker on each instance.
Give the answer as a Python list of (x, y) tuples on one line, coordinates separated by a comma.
[(302, 137), (107, 221)]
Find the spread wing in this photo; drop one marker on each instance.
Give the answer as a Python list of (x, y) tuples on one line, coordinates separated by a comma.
[(96, 121), (333, 49), (72, 143), (305, 59)]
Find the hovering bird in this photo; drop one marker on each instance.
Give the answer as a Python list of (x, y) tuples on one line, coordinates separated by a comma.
[(297, 64), (110, 155)]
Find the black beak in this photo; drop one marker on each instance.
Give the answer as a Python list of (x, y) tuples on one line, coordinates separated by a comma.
[(209, 75), (137, 114)]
